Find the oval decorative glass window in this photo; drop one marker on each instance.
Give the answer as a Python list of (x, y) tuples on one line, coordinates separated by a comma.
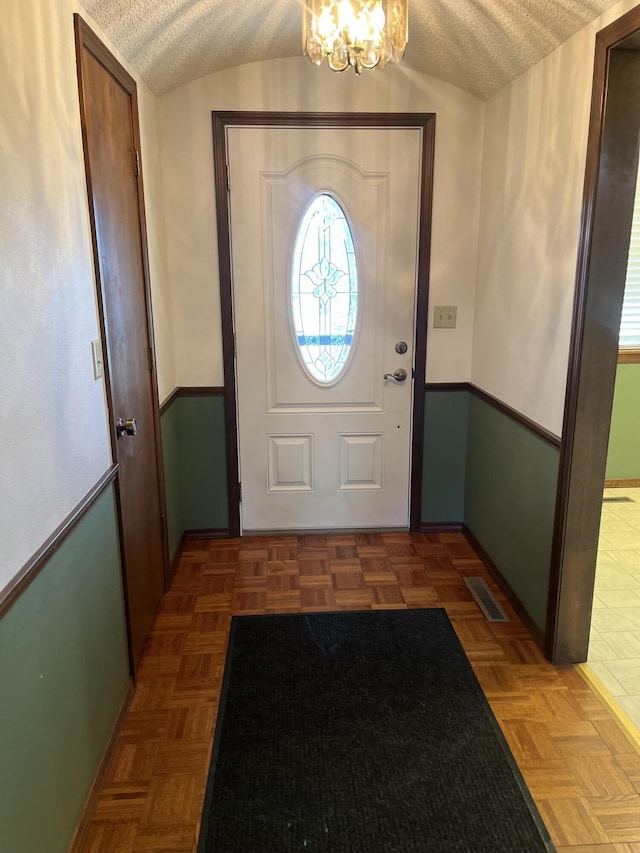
[(324, 289)]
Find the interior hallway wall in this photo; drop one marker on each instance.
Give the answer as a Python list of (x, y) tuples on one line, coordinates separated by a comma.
[(533, 175), (623, 456), (56, 443), (184, 123), (534, 161), (64, 665)]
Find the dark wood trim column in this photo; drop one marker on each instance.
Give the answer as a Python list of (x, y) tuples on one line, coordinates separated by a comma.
[(609, 190)]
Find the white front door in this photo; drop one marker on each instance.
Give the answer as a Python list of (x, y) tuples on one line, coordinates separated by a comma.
[(324, 237)]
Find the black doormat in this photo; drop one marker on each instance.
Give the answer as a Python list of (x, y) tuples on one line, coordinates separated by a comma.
[(360, 732)]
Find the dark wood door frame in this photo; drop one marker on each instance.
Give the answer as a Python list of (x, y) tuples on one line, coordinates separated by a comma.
[(221, 122), (87, 40), (607, 209)]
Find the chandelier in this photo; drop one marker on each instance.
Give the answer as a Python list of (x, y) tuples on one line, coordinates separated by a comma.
[(363, 34)]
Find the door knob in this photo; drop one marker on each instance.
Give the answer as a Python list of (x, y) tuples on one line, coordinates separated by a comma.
[(126, 427), (399, 375)]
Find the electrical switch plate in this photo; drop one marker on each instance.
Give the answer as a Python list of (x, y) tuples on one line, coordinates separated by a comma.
[(444, 316), (96, 356)]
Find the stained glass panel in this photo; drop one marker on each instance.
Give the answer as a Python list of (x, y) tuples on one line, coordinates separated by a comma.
[(324, 289)]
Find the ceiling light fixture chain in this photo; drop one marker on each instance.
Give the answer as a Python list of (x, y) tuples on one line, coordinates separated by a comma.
[(361, 34)]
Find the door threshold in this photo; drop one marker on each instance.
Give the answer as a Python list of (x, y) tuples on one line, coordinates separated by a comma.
[(320, 531)]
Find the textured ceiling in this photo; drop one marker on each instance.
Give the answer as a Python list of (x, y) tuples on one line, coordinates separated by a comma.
[(478, 45)]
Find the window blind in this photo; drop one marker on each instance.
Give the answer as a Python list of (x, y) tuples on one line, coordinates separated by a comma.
[(630, 324)]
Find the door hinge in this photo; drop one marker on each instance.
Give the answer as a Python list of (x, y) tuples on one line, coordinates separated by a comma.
[(235, 348), (163, 526), (240, 492), (228, 179), (150, 361), (138, 164)]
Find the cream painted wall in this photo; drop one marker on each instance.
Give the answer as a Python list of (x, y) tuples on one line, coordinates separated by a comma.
[(55, 439), (535, 149), (156, 236), (184, 122)]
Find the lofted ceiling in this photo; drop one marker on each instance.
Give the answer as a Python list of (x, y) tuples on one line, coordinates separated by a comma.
[(477, 45)]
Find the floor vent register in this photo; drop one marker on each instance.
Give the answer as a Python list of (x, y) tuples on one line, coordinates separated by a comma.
[(485, 600)]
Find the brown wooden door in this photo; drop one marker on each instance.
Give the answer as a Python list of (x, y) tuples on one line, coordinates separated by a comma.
[(111, 142)]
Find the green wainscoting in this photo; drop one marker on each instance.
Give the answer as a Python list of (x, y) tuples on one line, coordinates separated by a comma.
[(171, 453), (487, 470), (481, 468), (193, 441), (623, 458), (446, 421), (64, 670), (510, 494)]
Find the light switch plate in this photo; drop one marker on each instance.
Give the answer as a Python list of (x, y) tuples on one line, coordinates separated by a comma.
[(445, 316), (96, 357)]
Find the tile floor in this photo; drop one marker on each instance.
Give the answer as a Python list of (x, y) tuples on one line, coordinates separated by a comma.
[(614, 647)]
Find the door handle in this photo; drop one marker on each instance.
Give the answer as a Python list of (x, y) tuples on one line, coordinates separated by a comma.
[(399, 375), (126, 427)]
